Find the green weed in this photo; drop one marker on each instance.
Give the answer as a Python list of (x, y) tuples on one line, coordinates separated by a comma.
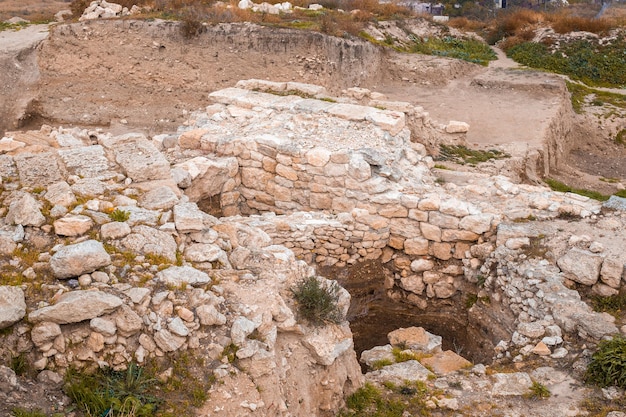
[(564, 188), (608, 364), (463, 155), (538, 391), (22, 412), (118, 215), (317, 303), (613, 304)]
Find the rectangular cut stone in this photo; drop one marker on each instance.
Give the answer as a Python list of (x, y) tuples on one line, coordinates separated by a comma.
[(390, 121), (313, 106), (139, 158), (416, 246), (87, 162), (456, 235), (228, 95), (38, 169), (352, 112)]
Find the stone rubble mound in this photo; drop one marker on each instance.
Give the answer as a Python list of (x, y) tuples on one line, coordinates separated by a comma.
[(102, 9), (116, 234)]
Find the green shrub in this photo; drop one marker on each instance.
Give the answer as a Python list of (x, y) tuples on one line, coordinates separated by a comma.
[(318, 303), (463, 155), (608, 365), (118, 215), (538, 391), (590, 62)]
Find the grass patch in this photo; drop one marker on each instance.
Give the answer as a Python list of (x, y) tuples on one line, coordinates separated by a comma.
[(118, 215), (579, 93), (317, 302), (588, 61), (22, 412), (613, 304), (381, 363), (467, 49), (112, 393), (620, 138), (564, 188), (538, 391), (608, 364), (463, 155)]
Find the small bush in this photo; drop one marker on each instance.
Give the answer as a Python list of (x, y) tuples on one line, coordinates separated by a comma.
[(463, 155), (118, 215), (608, 365), (538, 391), (567, 24), (318, 303)]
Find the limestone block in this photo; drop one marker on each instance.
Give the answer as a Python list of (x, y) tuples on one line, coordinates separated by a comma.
[(413, 283), (441, 250), (139, 158), (400, 373), (286, 172), (327, 343), (429, 203), (160, 198), (38, 170), (388, 120), (60, 194), (443, 363), (25, 212), (318, 157), (179, 275), (533, 330), (88, 162), (127, 321), (72, 225), (210, 316), (177, 327), (611, 272), (430, 231), (104, 326), (454, 235), (114, 230), (454, 207), (604, 290), (377, 354), (457, 127), (444, 287), (206, 252), (358, 168), (8, 144), (12, 305), (191, 139), (477, 223), (443, 220), (76, 306), (45, 332), (581, 266), (80, 258), (415, 338), (168, 342), (517, 383), (416, 246), (395, 210), (421, 265), (148, 240), (188, 217), (307, 89)]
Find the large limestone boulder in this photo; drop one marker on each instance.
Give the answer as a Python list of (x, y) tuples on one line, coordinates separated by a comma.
[(81, 258), (401, 372), (12, 305), (25, 212), (581, 266), (76, 306), (415, 338), (147, 240)]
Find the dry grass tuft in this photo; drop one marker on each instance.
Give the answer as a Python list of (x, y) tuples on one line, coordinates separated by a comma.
[(566, 24)]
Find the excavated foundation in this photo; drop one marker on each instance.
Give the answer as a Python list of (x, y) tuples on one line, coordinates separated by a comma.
[(469, 330)]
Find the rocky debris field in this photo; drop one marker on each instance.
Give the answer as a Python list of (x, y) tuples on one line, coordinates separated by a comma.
[(110, 260)]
